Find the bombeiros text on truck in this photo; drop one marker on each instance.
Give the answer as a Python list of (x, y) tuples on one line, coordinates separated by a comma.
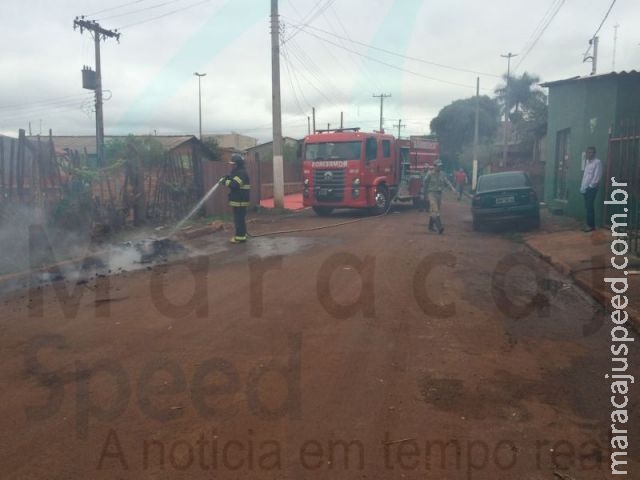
[(347, 168)]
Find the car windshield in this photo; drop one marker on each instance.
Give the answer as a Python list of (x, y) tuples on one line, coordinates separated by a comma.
[(333, 151), (502, 180)]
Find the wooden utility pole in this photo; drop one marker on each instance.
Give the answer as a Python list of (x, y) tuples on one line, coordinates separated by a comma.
[(594, 59), (98, 34), (278, 175), (508, 56), (399, 125), (313, 110), (615, 45), (382, 96), (199, 75), (474, 174)]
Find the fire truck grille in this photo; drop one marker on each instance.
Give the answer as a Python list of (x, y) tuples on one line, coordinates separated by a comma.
[(329, 185)]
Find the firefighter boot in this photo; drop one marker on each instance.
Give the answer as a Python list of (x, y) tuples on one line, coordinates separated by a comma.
[(432, 227), (439, 226)]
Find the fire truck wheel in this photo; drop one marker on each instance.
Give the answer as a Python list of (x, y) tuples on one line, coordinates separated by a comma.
[(323, 211), (382, 200)]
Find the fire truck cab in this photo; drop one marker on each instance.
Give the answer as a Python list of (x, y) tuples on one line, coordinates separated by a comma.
[(347, 168)]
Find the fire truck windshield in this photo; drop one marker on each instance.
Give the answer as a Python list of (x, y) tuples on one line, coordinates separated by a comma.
[(333, 151)]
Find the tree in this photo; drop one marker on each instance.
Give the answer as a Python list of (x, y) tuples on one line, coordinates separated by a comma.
[(212, 144), (527, 107), (455, 125), (518, 93)]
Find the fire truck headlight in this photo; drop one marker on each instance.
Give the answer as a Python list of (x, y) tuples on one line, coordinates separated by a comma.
[(355, 193), (356, 181), (306, 182)]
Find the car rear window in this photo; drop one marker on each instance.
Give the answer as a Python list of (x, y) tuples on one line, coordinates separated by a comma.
[(503, 180)]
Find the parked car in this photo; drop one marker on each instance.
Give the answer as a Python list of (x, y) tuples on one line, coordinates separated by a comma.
[(505, 196)]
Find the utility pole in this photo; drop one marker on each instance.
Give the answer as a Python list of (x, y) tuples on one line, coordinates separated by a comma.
[(594, 59), (308, 125), (382, 96), (200, 75), (508, 56), (474, 174), (593, 42), (615, 44), (399, 125), (313, 112), (278, 175), (341, 120), (98, 34)]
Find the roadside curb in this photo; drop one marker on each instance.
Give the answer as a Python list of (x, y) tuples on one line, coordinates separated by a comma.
[(602, 297)]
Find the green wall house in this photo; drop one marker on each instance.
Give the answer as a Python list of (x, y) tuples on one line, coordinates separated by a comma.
[(583, 111)]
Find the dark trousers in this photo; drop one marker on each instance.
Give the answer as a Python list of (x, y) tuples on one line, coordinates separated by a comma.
[(589, 203), (239, 214)]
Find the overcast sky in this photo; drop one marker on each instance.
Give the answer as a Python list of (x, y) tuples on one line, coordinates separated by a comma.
[(336, 55)]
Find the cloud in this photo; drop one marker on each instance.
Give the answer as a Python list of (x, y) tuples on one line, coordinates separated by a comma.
[(150, 72)]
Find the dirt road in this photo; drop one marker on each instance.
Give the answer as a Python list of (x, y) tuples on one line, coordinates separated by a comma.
[(370, 350)]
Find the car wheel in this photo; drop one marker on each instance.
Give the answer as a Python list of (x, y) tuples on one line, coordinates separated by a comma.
[(535, 223), (382, 201), (323, 211)]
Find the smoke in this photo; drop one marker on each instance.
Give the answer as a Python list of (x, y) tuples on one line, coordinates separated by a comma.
[(28, 245), (26, 242)]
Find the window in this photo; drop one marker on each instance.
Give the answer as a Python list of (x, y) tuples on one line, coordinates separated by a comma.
[(386, 148), (333, 151), (372, 149)]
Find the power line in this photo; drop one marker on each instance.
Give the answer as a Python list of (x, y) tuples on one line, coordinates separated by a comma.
[(306, 23), (113, 8), (605, 18), (598, 29), (290, 77), (544, 28), (186, 7), (307, 62), (389, 64), (44, 113), (132, 12), (389, 52), (45, 101), (360, 61)]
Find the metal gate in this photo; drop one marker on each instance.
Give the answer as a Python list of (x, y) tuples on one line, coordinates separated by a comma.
[(624, 164)]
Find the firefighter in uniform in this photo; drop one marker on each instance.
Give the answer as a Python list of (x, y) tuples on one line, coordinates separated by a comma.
[(434, 183), (239, 194)]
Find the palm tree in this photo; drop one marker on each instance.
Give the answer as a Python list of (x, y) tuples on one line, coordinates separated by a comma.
[(520, 91), (527, 106)]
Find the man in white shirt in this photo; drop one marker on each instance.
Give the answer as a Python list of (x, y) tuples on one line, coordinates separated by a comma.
[(589, 187)]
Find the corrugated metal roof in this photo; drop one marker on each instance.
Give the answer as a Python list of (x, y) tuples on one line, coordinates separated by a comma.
[(88, 142), (630, 73)]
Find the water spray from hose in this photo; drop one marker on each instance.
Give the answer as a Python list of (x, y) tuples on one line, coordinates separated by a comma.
[(195, 209)]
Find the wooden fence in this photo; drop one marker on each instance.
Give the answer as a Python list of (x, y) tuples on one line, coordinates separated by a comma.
[(130, 190), (69, 190), (29, 172)]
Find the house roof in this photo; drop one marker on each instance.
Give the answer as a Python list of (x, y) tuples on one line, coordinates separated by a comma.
[(284, 139), (623, 74), (88, 142)]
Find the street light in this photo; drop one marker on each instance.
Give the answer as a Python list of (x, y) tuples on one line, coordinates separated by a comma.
[(200, 75)]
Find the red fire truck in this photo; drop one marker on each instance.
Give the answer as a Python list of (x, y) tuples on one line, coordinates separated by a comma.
[(347, 168)]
